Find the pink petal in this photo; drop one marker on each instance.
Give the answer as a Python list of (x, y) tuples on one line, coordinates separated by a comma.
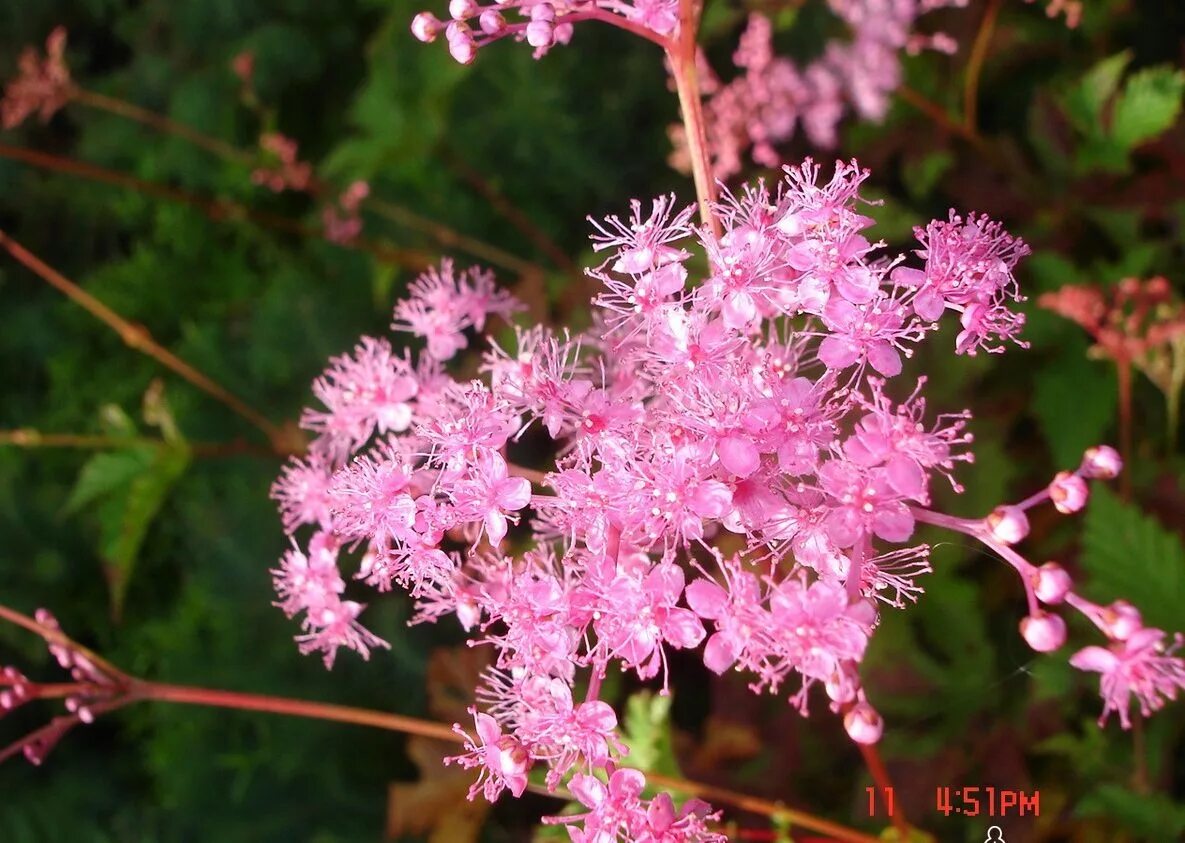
[(1095, 658), (683, 629), (884, 358), (739, 455), (721, 652), (711, 499), (838, 352), (514, 493), (495, 523), (707, 599)]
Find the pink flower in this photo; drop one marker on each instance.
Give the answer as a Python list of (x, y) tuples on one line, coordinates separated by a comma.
[(1141, 667), (503, 761), (443, 303), (636, 613), (313, 585), (282, 170), (366, 392), (43, 86), (302, 491), (490, 493), (737, 612)]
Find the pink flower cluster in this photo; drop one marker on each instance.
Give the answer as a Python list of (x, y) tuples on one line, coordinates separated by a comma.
[(544, 23), (773, 96), (42, 86), (284, 170), (341, 218), (762, 399)]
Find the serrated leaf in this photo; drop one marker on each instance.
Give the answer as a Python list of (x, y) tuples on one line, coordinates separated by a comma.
[(1150, 816), (647, 733), (129, 513), (1075, 402), (1150, 104), (1129, 555), (106, 473), (1084, 102)]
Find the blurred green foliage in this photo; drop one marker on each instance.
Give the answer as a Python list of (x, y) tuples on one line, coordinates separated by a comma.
[(158, 555)]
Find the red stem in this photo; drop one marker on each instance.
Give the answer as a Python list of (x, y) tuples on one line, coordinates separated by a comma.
[(189, 695), (880, 775), (682, 54)]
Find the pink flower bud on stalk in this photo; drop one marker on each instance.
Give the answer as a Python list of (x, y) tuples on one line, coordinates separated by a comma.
[(863, 724), (1044, 632), (426, 26), (1102, 463), (1068, 492), (462, 9), (1051, 583), (1008, 524), (492, 22), (1121, 620)]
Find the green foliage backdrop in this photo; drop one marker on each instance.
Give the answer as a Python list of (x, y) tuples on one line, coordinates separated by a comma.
[(158, 557)]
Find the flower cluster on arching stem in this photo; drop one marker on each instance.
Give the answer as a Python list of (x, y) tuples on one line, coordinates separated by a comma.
[(766, 398)]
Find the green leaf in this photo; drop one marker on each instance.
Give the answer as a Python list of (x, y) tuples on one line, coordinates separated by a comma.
[(125, 521), (1150, 104), (106, 472), (1129, 555), (1150, 816), (647, 733), (1075, 402), (1084, 102)]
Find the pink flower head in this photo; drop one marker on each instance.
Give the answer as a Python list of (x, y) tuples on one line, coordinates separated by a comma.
[(368, 391), (302, 491), (313, 585), (1141, 666), (490, 494), (43, 85), (282, 170), (443, 303), (503, 761), (636, 613)]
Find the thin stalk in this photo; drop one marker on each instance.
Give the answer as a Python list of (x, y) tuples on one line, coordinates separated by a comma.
[(1124, 371), (979, 51), (160, 123), (512, 213), (1139, 756), (764, 807), (138, 338), (219, 210), (189, 695), (449, 237), (880, 775), (138, 690), (29, 438), (682, 55), (440, 232)]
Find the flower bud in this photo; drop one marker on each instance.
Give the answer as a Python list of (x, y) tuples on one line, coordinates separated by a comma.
[(540, 33), (1008, 524), (1101, 462), (492, 22), (1043, 632), (543, 12), (841, 685), (1051, 583), (460, 42), (462, 9), (863, 724), (425, 27), (1068, 492), (1121, 620)]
